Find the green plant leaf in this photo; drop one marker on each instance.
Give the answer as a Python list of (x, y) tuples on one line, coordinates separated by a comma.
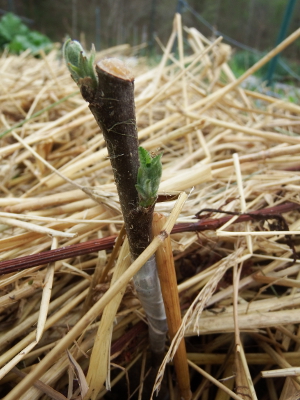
[(11, 26), (34, 41), (148, 179), (17, 37), (80, 65)]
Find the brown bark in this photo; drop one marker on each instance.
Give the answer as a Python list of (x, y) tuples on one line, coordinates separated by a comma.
[(114, 110)]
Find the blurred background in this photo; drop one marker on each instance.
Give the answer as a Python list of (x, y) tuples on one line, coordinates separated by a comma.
[(251, 27)]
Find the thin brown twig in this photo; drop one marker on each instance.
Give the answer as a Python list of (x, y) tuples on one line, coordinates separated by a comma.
[(61, 253), (95, 245)]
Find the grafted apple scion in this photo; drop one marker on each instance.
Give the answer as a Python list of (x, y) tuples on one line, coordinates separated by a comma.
[(109, 90)]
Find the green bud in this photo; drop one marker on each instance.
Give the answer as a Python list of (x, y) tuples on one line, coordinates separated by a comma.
[(148, 178), (79, 64)]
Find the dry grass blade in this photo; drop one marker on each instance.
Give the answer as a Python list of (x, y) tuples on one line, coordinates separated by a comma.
[(53, 394), (281, 372), (215, 381), (48, 282), (47, 291), (244, 383), (31, 227), (98, 372), (79, 374)]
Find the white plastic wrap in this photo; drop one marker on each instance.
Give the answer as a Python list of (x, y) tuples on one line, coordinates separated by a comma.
[(147, 286)]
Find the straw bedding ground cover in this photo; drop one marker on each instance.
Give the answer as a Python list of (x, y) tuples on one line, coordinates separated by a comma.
[(229, 149)]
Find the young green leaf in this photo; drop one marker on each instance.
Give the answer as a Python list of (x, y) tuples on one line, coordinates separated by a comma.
[(148, 178), (79, 64), (17, 37)]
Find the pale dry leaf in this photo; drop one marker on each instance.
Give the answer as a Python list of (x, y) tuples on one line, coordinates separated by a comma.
[(79, 373)]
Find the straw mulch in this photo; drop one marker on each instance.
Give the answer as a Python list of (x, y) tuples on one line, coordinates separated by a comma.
[(229, 148)]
